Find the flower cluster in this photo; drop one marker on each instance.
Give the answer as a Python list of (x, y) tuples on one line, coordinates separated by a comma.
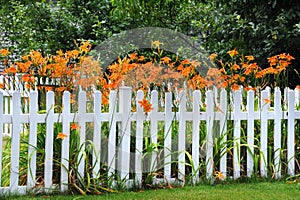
[(65, 71)]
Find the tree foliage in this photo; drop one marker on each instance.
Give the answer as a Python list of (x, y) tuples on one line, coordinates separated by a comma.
[(54, 25), (262, 28)]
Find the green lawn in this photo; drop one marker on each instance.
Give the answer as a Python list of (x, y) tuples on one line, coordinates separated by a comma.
[(253, 191)]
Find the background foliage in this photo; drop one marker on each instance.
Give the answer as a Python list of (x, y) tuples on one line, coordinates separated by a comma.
[(261, 28)]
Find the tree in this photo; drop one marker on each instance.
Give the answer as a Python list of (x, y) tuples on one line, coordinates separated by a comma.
[(261, 28), (54, 25)]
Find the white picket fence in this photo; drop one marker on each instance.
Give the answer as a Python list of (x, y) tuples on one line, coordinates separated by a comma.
[(217, 108)]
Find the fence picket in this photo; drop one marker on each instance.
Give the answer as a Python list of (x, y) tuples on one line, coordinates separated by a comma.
[(111, 146), (181, 135), (97, 134), (168, 136), (82, 131), (66, 119), (291, 133), (1, 134), (49, 141), (265, 104), (154, 128), (209, 130), (223, 131), (15, 141), (196, 137), (297, 97), (139, 138), (277, 132), (32, 143), (124, 133), (237, 134), (250, 132)]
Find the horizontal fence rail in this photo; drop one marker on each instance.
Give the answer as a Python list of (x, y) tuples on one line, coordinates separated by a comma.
[(198, 134)]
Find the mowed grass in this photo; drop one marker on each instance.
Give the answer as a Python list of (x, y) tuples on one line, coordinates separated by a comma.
[(255, 190)]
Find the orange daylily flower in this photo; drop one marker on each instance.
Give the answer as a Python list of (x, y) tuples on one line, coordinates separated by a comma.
[(233, 52), (26, 78), (133, 56), (289, 57), (156, 43), (235, 66), (282, 56), (85, 47), (75, 126), (166, 59), (250, 58), (61, 136), (220, 176), (272, 60), (10, 70), (250, 88), (4, 52), (267, 101), (212, 56), (48, 88), (235, 87), (146, 105), (141, 58)]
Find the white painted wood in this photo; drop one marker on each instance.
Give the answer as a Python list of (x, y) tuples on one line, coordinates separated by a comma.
[(111, 151), (65, 152), (223, 131), (264, 132), (181, 136), (139, 138), (33, 113), (277, 132), (7, 110), (49, 141), (250, 132), (97, 134), (237, 134), (126, 117), (291, 133), (82, 131), (168, 136), (1, 133), (15, 142), (297, 97), (124, 133), (196, 136), (209, 132), (154, 128), (285, 98)]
